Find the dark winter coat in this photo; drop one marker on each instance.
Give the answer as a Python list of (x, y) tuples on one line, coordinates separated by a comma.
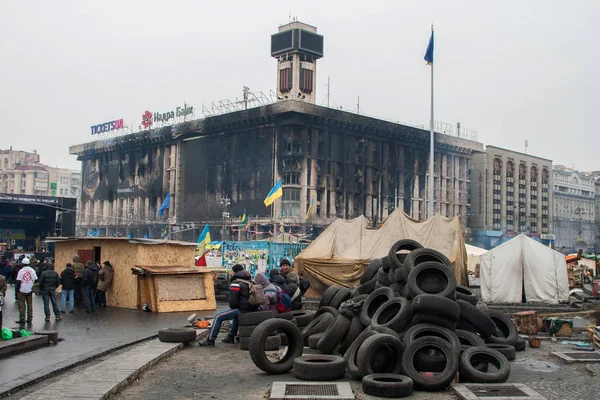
[(239, 292), (78, 266), (90, 276), (105, 277), (68, 278), (49, 280), (289, 288), (5, 269)]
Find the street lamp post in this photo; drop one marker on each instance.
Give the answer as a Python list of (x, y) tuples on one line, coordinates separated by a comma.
[(225, 202), (580, 213)]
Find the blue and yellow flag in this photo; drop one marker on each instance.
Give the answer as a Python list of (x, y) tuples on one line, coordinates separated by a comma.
[(245, 221), (203, 239), (311, 209), (429, 52), (274, 194)]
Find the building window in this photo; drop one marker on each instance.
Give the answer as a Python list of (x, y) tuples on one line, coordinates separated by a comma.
[(291, 178), (291, 194)]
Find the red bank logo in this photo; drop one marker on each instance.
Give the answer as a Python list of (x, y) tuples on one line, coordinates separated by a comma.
[(147, 119)]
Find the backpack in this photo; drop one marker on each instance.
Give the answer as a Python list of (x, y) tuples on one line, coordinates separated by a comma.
[(256, 293), (284, 301)]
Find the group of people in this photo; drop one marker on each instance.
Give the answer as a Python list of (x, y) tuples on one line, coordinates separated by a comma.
[(281, 292), (80, 283)]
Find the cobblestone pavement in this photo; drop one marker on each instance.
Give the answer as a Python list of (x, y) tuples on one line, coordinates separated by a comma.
[(226, 372)]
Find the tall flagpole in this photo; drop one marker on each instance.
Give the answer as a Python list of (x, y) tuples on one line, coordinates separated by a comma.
[(431, 146)]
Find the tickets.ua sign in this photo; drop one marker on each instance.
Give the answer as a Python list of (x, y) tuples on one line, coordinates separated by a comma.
[(108, 126)]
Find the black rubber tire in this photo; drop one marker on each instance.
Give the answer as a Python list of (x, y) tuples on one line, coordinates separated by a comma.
[(430, 382), (177, 335), (285, 315), (470, 339), (372, 304), (313, 340), (342, 295), (521, 344), (360, 297), (398, 287), (350, 354), (394, 314), (254, 318), (399, 276), (431, 277), (246, 331), (383, 277), (420, 256), (460, 324), (397, 262), (257, 346), (437, 305), (505, 326), (481, 323), (303, 317), (328, 295), (387, 385), (426, 318), (371, 271), (385, 331), (506, 349), (356, 327), (430, 361), (380, 354), (368, 287), (326, 309), (317, 325), (273, 342), (379, 285), (385, 263), (392, 276), (473, 355), (464, 293), (335, 333), (319, 367), (422, 330), (284, 339)]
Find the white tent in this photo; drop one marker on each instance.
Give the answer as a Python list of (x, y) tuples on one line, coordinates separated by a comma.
[(519, 261), (473, 256)]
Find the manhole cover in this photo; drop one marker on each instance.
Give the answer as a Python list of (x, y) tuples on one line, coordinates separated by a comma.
[(497, 391), (311, 390), (578, 356)]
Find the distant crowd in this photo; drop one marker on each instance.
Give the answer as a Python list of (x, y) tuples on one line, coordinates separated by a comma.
[(282, 292), (80, 284)]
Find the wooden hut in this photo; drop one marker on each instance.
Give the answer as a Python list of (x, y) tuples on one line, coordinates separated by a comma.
[(176, 284)]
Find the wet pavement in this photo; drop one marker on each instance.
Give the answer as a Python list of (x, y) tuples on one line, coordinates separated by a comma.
[(82, 336)]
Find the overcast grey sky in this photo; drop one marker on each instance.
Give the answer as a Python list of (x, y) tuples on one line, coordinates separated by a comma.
[(512, 70)]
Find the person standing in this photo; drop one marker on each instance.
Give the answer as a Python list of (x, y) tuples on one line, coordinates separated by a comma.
[(68, 277), (49, 281), (16, 269), (105, 277), (2, 293), (78, 267), (239, 296), (90, 280), (24, 286), (5, 268)]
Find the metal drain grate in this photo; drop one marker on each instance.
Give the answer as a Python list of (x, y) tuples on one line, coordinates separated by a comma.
[(311, 390), (497, 391), (578, 356)]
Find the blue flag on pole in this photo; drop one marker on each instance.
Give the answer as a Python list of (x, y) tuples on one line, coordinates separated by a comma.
[(165, 204), (429, 52)]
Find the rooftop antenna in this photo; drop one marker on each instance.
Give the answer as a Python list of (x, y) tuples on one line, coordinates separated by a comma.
[(328, 86), (526, 145), (358, 105)]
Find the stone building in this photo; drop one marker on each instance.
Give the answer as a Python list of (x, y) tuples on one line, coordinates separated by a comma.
[(510, 194), (574, 209)]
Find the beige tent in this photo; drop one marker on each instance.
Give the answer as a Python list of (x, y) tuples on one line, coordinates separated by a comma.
[(473, 256), (340, 254)]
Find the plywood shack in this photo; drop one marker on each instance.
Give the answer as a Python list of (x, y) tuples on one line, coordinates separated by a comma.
[(124, 254)]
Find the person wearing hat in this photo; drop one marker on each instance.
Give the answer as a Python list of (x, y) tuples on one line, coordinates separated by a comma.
[(24, 286), (105, 277), (239, 295)]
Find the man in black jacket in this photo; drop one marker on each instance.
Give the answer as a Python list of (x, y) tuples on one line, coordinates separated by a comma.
[(90, 280), (67, 277), (239, 294), (49, 281)]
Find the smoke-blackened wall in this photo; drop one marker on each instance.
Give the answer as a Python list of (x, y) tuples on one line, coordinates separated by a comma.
[(237, 165)]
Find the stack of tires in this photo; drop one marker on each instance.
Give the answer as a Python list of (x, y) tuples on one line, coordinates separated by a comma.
[(410, 327), (221, 289)]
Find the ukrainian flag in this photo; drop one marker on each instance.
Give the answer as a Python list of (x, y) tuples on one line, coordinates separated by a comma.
[(245, 221), (275, 193), (203, 239)]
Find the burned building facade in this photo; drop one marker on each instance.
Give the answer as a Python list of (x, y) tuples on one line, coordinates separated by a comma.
[(332, 163)]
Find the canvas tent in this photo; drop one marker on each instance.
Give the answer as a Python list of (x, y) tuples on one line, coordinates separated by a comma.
[(523, 263), (340, 254), (473, 256)]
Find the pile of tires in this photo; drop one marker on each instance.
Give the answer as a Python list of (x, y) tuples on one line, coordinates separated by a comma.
[(248, 322), (406, 326), (221, 289)]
